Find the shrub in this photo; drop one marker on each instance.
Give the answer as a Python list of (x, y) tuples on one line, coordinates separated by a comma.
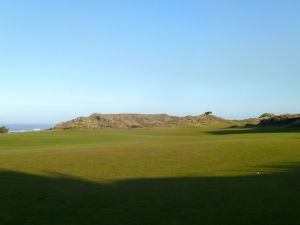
[(3, 130), (267, 115)]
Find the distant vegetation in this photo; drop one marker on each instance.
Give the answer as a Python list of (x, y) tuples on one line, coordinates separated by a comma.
[(267, 115), (286, 120), (141, 121), (96, 121), (3, 130)]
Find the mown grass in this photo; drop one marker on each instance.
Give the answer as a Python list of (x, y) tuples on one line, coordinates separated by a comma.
[(150, 176)]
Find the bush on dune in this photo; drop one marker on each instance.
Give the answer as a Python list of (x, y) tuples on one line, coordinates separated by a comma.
[(3, 130)]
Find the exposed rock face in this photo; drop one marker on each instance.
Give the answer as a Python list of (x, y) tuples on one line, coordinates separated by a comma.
[(139, 121)]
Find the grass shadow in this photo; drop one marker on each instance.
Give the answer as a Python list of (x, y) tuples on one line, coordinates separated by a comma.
[(254, 130), (61, 200)]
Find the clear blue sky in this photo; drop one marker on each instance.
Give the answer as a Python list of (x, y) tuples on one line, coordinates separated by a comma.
[(61, 59)]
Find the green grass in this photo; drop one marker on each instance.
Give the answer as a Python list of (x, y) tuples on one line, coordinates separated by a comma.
[(150, 176)]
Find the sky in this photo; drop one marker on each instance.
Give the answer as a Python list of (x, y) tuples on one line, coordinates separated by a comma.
[(60, 59)]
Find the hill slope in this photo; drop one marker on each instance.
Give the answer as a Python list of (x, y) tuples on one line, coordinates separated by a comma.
[(97, 120), (286, 120), (139, 121)]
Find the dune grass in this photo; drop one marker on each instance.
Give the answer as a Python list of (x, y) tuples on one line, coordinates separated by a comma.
[(150, 176)]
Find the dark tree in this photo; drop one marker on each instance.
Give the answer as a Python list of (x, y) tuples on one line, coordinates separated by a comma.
[(208, 113), (3, 130)]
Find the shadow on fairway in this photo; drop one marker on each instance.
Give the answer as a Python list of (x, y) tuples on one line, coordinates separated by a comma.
[(254, 130), (259, 199)]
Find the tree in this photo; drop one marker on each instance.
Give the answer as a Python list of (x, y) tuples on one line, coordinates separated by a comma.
[(3, 130), (208, 113)]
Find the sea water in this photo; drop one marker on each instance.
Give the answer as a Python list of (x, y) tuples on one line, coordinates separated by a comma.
[(26, 127)]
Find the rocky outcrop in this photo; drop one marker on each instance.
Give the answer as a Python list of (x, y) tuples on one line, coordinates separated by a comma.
[(139, 121)]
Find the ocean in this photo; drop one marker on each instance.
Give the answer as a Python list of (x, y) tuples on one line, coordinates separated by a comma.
[(26, 127)]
